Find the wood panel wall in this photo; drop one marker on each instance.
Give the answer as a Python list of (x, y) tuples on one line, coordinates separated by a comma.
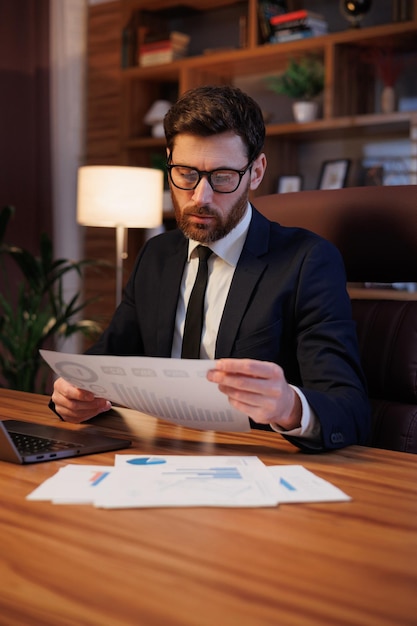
[(103, 112)]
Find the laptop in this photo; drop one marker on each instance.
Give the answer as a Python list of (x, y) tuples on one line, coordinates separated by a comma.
[(24, 442)]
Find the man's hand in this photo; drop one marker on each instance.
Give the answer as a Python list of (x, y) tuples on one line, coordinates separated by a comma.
[(76, 405), (258, 389)]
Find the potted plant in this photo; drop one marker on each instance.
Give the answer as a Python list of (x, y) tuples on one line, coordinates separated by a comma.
[(38, 314), (303, 81)]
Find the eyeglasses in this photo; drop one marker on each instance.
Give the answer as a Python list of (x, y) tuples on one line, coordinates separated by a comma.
[(220, 180)]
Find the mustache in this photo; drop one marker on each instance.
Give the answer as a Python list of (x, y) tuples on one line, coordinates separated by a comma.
[(202, 210)]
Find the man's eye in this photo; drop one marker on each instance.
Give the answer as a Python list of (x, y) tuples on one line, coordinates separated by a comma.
[(221, 178), (188, 175)]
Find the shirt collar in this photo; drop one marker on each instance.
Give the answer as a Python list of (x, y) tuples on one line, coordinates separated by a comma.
[(230, 247)]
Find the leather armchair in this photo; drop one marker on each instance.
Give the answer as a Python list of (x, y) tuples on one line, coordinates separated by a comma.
[(375, 229)]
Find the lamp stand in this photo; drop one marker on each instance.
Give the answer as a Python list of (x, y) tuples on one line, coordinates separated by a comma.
[(121, 255)]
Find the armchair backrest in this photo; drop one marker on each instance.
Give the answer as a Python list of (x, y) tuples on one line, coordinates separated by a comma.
[(375, 229)]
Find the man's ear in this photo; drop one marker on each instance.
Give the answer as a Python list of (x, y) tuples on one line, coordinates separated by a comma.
[(257, 171)]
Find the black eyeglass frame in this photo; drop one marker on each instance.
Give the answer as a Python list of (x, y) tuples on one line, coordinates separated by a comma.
[(208, 175)]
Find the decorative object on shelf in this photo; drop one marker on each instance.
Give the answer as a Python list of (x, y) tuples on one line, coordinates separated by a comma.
[(266, 10), (155, 117), (303, 81), (355, 10), (372, 176), (119, 197), (333, 174), (39, 314), (388, 99), (287, 184), (388, 67), (305, 111), (390, 169), (295, 25)]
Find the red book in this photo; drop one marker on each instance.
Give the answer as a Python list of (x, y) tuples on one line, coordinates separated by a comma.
[(301, 14), (154, 46)]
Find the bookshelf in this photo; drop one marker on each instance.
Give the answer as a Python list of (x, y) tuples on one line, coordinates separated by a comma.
[(349, 107), (119, 97)]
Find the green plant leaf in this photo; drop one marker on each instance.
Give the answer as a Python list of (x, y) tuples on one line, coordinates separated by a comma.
[(39, 313), (303, 78)]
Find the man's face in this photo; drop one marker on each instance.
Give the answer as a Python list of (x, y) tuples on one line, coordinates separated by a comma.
[(202, 213)]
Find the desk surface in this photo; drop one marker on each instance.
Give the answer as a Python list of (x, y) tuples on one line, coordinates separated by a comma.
[(349, 563)]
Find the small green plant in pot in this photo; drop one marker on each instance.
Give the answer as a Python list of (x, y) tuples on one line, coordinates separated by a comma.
[(38, 314), (302, 81)]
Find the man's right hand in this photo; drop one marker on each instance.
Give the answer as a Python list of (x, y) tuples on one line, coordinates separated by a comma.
[(76, 405)]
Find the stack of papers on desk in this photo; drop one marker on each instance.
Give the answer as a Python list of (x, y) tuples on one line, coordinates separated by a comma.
[(137, 481)]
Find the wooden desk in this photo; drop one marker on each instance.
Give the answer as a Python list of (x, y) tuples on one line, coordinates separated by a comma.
[(351, 563)]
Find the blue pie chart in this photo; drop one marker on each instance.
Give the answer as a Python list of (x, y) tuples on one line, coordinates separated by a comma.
[(147, 460)]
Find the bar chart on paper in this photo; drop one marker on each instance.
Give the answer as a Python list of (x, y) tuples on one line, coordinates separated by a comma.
[(173, 389)]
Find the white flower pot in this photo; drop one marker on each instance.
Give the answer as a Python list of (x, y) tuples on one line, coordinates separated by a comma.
[(305, 111)]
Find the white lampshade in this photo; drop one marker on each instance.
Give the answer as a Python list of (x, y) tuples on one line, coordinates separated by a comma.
[(113, 195), (120, 197)]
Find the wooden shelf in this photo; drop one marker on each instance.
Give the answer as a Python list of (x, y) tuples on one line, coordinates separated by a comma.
[(119, 98), (264, 57), (347, 110), (375, 123), (365, 293), (378, 123)]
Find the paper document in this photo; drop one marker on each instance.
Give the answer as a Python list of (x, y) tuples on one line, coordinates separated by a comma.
[(156, 481), (295, 483), (139, 481), (73, 484), (173, 389)]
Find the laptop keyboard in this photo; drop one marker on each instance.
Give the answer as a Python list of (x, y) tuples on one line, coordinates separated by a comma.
[(30, 444)]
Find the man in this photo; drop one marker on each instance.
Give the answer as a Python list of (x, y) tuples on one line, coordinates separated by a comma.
[(277, 317)]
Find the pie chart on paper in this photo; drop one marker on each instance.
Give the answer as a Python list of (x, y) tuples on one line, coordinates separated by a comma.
[(146, 460)]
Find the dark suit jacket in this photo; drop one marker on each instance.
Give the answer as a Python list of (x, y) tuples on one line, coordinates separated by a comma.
[(287, 304)]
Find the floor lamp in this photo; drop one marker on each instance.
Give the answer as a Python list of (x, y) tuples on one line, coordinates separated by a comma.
[(119, 197)]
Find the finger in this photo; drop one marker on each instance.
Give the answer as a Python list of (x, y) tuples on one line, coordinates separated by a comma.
[(70, 391), (248, 367), (230, 383), (77, 405)]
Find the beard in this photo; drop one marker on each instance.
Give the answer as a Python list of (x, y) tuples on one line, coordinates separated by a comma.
[(217, 229)]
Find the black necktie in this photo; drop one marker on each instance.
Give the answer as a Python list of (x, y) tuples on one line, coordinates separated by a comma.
[(195, 311)]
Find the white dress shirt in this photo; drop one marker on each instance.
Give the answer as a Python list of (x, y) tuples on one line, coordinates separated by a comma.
[(222, 265)]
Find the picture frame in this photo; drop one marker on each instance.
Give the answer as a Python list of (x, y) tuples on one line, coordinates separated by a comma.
[(287, 184), (372, 176), (333, 174)]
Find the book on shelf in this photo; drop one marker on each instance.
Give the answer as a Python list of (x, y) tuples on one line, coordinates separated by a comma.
[(294, 35), (319, 26), (294, 16), (159, 57), (266, 10), (297, 25), (164, 50)]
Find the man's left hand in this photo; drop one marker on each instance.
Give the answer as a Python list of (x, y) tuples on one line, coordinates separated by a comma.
[(258, 389)]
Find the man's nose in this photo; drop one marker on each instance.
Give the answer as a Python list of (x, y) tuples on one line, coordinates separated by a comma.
[(203, 193)]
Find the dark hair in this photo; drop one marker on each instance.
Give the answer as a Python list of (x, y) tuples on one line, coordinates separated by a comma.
[(212, 110)]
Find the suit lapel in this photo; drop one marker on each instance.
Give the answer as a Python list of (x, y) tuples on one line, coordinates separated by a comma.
[(169, 293), (250, 267)]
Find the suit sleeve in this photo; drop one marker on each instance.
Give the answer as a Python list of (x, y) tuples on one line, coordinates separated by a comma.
[(327, 351)]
